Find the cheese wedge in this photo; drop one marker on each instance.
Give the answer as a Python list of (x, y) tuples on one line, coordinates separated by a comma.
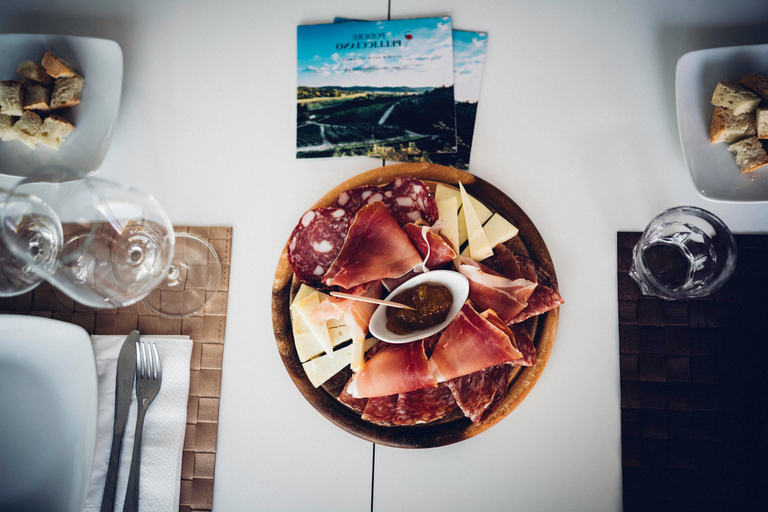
[(307, 345), (322, 368), (450, 221), (498, 230), (479, 247), (304, 309), (443, 192)]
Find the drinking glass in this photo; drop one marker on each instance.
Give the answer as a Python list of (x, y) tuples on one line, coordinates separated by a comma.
[(118, 245), (684, 253)]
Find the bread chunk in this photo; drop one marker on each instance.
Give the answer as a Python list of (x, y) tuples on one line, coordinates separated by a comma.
[(37, 97), (66, 92), (57, 67), (735, 97), (6, 128), (762, 122), (28, 127), (55, 131), (728, 127), (755, 83), (34, 72), (12, 97), (749, 154)]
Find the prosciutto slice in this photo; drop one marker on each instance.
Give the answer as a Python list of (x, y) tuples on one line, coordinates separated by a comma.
[(544, 298), (470, 343), (394, 369), (433, 248), (490, 290), (375, 248), (333, 308)]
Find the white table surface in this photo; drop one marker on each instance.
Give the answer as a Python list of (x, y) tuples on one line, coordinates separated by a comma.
[(576, 122)]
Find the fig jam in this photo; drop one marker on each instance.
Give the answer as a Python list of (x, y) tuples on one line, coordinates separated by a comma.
[(431, 304)]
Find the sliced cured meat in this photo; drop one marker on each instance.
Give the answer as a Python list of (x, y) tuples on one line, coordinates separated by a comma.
[(380, 410), (392, 283), (544, 298), (433, 248), (515, 268), (424, 405), (524, 345), (395, 369), (490, 290), (479, 393), (356, 404), (375, 248), (470, 343), (315, 243), (492, 317), (333, 308), (407, 199)]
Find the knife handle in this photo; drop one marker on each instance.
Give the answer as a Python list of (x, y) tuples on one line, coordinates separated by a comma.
[(108, 499), (132, 492)]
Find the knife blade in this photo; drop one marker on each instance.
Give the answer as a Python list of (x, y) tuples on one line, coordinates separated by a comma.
[(126, 371)]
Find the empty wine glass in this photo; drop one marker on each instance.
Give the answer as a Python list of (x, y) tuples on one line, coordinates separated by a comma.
[(120, 242)]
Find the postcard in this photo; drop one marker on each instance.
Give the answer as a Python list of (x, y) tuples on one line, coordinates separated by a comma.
[(375, 88)]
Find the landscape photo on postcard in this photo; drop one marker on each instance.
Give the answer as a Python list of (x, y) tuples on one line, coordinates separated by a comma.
[(375, 88), (468, 61)]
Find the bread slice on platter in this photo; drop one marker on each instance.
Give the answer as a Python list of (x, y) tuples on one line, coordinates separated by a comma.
[(732, 96), (37, 97), (28, 127), (749, 154), (12, 97), (66, 92), (34, 72), (56, 67), (54, 131), (762, 122), (729, 127), (6, 127), (755, 83)]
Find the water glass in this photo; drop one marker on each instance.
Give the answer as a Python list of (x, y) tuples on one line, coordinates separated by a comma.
[(684, 253)]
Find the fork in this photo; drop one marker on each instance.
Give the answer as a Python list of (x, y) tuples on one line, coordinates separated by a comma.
[(148, 379)]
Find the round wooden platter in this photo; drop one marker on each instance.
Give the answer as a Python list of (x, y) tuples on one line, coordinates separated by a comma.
[(455, 427)]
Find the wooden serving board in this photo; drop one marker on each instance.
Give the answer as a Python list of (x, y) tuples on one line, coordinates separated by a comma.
[(455, 427)]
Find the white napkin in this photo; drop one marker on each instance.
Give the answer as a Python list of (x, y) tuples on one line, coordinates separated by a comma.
[(164, 427)]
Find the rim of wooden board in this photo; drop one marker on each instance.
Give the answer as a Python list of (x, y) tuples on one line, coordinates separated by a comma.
[(453, 428)]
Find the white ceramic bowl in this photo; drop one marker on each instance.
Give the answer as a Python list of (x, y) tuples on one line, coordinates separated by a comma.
[(49, 404), (454, 281), (713, 169)]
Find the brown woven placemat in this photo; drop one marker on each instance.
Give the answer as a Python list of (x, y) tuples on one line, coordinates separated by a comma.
[(694, 390), (206, 329)]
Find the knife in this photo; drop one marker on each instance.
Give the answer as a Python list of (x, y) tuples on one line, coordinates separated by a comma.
[(126, 371)]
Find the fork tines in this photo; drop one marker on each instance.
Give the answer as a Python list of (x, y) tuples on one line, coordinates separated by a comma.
[(148, 361)]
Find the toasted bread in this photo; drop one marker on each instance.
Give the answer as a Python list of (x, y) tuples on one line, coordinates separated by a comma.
[(34, 72), (749, 154), (762, 122), (66, 92), (755, 83), (54, 131), (12, 97), (6, 128), (732, 96), (28, 127), (57, 67), (37, 97), (727, 127)]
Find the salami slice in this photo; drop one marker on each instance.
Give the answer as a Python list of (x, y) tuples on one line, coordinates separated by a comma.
[(315, 242), (479, 393), (407, 199), (381, 410), (424, 405), (524, 345)]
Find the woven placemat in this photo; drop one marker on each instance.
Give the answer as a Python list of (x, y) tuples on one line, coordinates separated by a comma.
[(694, 390), (207, 332)]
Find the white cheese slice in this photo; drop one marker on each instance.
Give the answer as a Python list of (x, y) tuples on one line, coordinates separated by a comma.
[(479, 248), (450, 221), (482, 211), (324, 367), (304, 308), (498, 230), (308, 347), (443, 192)]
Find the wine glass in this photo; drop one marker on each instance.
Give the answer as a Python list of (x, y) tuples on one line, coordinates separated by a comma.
[(119, 245), (40, 229)]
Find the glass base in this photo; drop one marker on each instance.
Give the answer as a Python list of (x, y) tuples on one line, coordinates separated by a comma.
[(192, 280)]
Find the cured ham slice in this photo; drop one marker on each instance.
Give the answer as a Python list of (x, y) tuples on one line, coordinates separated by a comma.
[(356, 404), (524, 345), (407, 199), (424, 405), (515, 268), (433, 248), (490, 290), (375, 248), (479, 394), (544, 298), (394, 369), (470, 343), (333, 308)]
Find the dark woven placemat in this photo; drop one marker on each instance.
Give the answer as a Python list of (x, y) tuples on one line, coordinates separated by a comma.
[(207, 332), (694, 390)]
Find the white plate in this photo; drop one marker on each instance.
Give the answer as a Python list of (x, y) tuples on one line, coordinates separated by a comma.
[(49, 404), (100, 62), (715, 173)]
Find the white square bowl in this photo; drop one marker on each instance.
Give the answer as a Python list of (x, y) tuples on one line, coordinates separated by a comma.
[(714, 171), (100, 62)]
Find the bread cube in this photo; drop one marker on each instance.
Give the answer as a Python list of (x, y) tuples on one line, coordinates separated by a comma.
[(728, 127), (57, 67), (34, 72), (28, 127), (54, 131), (755, 83), (12, 97), (732, 96), (749, 154), (762, 122), (6, 128), (67, 92), (37, 97)]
